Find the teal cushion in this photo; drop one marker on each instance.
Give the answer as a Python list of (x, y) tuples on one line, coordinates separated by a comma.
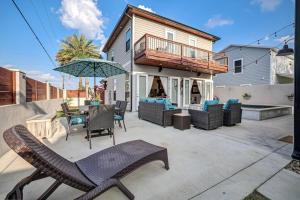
[(208, 103), (95, 103), (169, 105), (161, 101), (230, 102), (118, 117), (151, 100), (143, 99), (78, 119)]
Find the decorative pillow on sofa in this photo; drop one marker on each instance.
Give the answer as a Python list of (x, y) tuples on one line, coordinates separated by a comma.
[(169, 105), (230, 102), (208, 103)]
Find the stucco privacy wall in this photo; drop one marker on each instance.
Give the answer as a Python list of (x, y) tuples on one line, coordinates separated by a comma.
[(260, 94), (18, 113)]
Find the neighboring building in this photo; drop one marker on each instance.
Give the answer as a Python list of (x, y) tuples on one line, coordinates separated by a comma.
[(255, 65), (164, 58)]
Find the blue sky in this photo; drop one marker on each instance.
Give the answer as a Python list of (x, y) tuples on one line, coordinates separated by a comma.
[(238, 22)]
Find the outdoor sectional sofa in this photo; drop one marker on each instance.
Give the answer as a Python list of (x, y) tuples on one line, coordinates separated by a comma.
[(208, 120), (94, 174), (156, 113)]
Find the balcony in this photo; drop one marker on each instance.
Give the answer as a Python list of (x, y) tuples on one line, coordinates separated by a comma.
[(156, 51)]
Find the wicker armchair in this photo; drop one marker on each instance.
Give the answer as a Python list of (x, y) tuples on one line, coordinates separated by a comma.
[(100, 118), (209, 120), (156, 113), (232, 115)]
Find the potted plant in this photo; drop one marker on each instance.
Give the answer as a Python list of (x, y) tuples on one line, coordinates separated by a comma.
[(246, 96)]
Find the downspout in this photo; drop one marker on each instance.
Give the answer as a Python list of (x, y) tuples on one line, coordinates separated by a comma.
[(131, 60)]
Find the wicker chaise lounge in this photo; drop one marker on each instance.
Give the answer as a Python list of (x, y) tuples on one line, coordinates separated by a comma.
[(94, 174)]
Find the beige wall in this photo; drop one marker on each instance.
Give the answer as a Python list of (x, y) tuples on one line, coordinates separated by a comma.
[(260, 94), (143, 26), (18, 114)]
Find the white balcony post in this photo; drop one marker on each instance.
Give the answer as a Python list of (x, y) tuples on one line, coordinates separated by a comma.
[(20, 78)]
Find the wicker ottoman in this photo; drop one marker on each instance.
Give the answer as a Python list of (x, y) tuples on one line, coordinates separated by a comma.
[(182, 121)]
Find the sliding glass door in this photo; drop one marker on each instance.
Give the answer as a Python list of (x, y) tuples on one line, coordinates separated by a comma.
[(186, 92), (142, 87)]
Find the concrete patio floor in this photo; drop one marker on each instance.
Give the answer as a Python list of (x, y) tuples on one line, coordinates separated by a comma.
[(227, 163)]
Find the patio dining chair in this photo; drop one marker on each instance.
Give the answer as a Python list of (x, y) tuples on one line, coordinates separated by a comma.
[(93, 175), (100, 118), (120, 115), (72, 118)]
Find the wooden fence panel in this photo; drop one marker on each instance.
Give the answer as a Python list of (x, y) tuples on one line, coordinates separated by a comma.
[(7, 87), (41, 91), (35, 90), (53, 92), (75, 93)]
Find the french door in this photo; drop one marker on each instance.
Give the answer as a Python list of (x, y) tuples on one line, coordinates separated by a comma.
[(142, 87), (175, 90), (186, 92)]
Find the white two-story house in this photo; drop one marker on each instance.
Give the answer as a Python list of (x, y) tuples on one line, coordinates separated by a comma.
[(164, 58)]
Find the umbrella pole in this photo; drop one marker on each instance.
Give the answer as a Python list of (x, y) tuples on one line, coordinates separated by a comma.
[(95, 80), (78, 95)]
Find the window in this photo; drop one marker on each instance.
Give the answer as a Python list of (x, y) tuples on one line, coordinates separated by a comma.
[(192, 42), (112, 55), (128, 39), (170, 35), (238, 64)]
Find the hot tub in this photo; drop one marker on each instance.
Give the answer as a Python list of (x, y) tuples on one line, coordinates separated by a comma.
[(262, 112)]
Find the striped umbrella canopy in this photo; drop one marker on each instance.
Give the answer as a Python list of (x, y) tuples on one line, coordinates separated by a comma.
[(92, 67)]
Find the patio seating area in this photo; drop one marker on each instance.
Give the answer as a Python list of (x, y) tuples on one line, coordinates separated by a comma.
[(224, 163)]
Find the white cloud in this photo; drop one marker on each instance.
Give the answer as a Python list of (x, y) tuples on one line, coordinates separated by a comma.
[(41, 76), (218, 21), (285, 38), (146, 8), (84, 16), (266, 5)]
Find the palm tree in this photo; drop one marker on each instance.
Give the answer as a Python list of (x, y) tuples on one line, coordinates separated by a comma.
[(76, 47)]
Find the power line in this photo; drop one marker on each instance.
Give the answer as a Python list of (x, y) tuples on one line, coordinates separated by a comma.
[(261, 39), (41, 22), (36, 37)]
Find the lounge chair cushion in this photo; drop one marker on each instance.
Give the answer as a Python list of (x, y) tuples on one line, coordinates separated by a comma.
[(78, 119), (230, 102), (118, 117), (208, 103)]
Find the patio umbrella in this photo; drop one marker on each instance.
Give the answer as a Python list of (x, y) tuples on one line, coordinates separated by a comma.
[(92, 67)]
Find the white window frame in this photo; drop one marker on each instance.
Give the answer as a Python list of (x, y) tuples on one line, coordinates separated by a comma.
[(195, 39), (129, 39), (186, 104), (170, 31), (138, 88), (178, 90), (242, 61)]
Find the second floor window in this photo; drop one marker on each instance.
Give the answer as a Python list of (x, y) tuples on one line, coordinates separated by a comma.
[(238, 64), (128, 39), (112, 56)]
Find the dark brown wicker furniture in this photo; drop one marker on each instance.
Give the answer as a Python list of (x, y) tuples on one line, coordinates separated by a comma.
[(120, 113), (232, 115), (93, 175), (156, 113), (209, 120), (100, 118), (68, 114), (182, 121)]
